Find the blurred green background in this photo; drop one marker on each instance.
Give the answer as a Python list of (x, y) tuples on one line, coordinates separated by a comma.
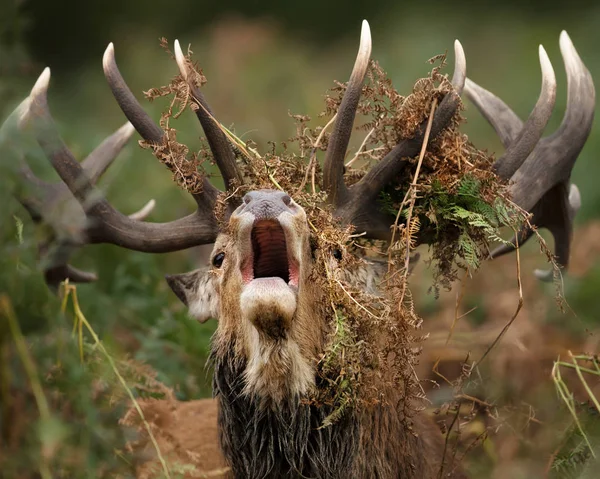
[(263, 60)]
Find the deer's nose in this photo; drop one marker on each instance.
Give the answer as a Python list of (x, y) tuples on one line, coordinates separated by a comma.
[(265, 204)]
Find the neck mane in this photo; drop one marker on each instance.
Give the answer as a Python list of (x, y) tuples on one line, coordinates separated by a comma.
[(287, 439)]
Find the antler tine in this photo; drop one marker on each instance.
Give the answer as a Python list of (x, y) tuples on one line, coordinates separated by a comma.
[(28, 182), (144, 125), (460, 68), (61, 158), (562, 254), (57, 274), (562, 233), (553, 159), (134, 112), (217, 141), (579, 114), (144, 212), (497, 113), (529, 136), (97, 162), (79, 178), (333, 168), (507, 124)]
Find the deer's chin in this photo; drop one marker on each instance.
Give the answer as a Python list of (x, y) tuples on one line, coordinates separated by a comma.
[(269, 304)]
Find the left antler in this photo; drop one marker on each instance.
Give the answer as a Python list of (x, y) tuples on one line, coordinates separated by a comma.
[(44, 201), (92, 219), (539, 168), (540, 175)]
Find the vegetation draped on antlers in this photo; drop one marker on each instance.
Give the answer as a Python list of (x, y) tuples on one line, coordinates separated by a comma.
[(538, 168)]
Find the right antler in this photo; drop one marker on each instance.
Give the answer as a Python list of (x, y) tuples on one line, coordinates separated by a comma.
[(357, 204)]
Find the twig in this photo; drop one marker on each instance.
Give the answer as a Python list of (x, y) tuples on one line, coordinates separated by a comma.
[(413, 197), (459, 298), (244, 148), (313, 157), (518, 310), (475, 400), (447, 439), (356, 302), (362, 145)]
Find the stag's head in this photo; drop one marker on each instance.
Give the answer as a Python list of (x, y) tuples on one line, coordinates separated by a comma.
[(258, 287)]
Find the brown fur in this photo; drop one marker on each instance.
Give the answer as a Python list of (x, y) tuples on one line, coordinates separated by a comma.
[(287, 439)]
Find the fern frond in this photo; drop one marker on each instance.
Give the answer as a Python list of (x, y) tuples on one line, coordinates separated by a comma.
[(469, 250)]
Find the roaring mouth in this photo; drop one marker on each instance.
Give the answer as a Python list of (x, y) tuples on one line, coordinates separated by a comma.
[(270, 256)]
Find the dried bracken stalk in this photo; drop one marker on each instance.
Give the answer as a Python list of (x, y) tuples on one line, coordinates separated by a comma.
[(186, 167)]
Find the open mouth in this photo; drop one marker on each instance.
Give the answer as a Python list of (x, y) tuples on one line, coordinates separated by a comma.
[(270, 257)]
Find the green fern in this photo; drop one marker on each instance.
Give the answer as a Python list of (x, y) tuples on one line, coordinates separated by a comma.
[(469, 250), (469, 186)]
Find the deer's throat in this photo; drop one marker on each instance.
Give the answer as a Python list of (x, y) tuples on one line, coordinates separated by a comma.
[(279, 438), (270, 255)]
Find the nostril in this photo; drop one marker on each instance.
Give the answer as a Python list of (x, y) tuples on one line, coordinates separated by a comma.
[(286, 199), (247, 198)]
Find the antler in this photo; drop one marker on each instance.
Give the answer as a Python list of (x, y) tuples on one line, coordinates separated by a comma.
[(357, 204), (540, 169), (45, 200), (217, 141), (92, 219)]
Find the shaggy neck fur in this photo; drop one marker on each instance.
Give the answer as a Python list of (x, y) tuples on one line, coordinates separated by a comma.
[(286, 439), (281, 440)]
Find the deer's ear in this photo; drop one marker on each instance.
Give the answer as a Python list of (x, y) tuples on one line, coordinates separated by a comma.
[(197, 291)]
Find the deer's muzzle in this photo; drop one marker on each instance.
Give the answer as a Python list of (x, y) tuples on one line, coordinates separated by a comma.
[(270, 267)]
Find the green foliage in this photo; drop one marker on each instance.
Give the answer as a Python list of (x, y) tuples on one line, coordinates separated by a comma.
[(139, 322), (339, 391), (466, 222)]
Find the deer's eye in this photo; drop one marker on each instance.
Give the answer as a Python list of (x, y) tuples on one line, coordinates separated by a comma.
[(218, 260), (337, 254)]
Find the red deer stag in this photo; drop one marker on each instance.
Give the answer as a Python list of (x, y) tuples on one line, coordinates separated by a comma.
[(273, 319)]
